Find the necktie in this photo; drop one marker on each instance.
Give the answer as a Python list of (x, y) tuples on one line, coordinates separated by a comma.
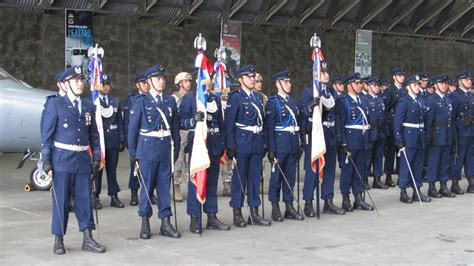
[(252, 96), (358, 99), (76, 106), (158, 100)]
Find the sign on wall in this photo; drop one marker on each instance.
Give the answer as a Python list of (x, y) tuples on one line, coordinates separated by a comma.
[(78, 37), (231, 32), (363, 52)]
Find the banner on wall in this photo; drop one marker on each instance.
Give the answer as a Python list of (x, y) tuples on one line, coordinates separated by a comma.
[(231, 32), (78, 37), (363, 52)]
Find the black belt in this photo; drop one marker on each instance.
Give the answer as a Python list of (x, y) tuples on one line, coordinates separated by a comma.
[(379, 123), (444, 123)]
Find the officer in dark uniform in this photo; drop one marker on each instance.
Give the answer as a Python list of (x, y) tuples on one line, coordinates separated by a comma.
[(390, 97), (424, 79), (463, 102), (68, 131), (215, 141), (339, 92), (384, 84), (352, 131), (284, 145), (114, 138), (439, 135), (308, 101), (409, 132), (245, 142), (154, 141), (377, 133)]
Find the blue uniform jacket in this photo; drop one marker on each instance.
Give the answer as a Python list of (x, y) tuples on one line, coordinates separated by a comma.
[(277, 114), (390, 97), (215, 140), (463, 115), (240, 110), (126, 112), (378, 118), (113, 126), (409, 111), (349, 112), (306, 101), (439, 129), (61, 123), (145, 117)]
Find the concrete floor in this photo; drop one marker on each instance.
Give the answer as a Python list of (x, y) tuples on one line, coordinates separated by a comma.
[(440, 232)]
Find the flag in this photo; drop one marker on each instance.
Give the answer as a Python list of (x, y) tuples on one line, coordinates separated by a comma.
[(221, 84), (318, 144), (200, 158), (95, 80)]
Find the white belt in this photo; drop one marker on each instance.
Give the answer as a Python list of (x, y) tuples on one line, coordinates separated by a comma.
[(291, 129), (213, 130), (156, 134), (70, 147), (254, 129), (422, 125), (329, 124), (113, 126), (361, 127)]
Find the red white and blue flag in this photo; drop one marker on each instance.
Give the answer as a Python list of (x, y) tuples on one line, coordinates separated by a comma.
[(221, 84), (95, 80), (200, 158), (318, 144)]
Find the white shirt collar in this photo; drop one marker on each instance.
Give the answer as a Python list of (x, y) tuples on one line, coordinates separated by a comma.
[(440, 95), (73, 97), (412, 96), (464, 90), (283, 96), (354, 97), (247, 91)]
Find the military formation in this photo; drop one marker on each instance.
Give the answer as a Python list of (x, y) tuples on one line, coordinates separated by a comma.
[(416, 127)]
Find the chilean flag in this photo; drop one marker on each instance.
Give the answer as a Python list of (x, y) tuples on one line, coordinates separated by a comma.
[(221, 84), (318, 144), (95, 80), (200, 158)]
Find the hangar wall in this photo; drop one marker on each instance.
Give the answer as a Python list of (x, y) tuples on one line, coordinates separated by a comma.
[(32, 49)]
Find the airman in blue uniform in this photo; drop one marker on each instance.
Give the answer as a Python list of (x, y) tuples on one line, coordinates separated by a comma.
[(352, 131), (142, 88), (439, 136), (284, 146), (154, 141), (245, 142), (328, 98), (68, 131), (409, 132), (189, 116), (114, 138), (391, 96), (424, 80), (377, 133), (339, 92), (463, 103)]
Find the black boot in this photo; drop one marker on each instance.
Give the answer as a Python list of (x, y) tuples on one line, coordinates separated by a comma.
[(445, 191), (194, 224), (423, 197), (276, 214), (432, 192), (378, 184), (330, 208), (404, 196), (115, 202), (360, 204), (167, 229), (366, 183), (309, 209), (455, 188), (389, 181), (71, 204), (145, 232), (291, 213), (470, 188), (134, 197), (346, 203), (96, 204), (238, 218), (213, 223), (89, 244), (58, 247), (257, 219)]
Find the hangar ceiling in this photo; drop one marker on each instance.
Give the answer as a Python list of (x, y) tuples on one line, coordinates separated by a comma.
[(437, 19)]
